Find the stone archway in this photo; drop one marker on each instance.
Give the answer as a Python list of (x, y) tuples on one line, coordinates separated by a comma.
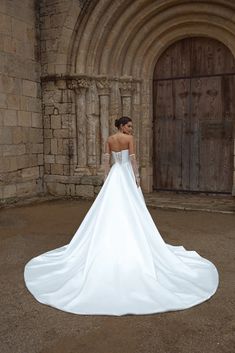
[(109, 69)]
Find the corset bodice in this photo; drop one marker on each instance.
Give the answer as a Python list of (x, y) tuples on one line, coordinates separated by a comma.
[(121, 157)]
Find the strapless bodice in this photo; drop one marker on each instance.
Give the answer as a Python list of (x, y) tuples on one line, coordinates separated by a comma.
[(121, 156)]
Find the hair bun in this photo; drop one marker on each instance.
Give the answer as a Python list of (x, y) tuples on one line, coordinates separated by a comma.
[(122, 121)]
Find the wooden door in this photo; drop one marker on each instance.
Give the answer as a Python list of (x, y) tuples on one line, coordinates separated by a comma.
[(194, 82)]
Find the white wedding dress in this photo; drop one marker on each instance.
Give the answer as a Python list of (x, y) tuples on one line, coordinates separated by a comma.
[(117, 262)]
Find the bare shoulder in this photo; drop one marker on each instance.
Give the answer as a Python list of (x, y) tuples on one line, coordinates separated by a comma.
[(130, 138), (111, 136)]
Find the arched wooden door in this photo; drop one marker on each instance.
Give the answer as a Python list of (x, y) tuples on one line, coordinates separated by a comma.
[(194, 107)]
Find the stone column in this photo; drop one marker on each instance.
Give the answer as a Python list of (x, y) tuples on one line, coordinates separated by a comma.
[(93, 128), (115, 106), (81, 125), (103, 87), (126, 97), (136, 116)]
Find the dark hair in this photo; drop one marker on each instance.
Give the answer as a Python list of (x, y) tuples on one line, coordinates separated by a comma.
[(122, 121)]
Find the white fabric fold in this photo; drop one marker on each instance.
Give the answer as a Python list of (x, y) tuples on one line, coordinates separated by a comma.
[(117, 262)]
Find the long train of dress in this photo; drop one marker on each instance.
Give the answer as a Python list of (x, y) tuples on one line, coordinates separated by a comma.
[(117, 262)]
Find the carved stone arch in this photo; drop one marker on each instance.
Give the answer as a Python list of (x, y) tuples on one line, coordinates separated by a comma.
[(122, 41)]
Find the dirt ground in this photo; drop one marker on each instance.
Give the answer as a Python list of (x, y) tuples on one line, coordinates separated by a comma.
[(29, 327)]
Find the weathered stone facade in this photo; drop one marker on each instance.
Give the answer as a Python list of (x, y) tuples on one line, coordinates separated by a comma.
[(21, 128), (97, 60), (79, 112)]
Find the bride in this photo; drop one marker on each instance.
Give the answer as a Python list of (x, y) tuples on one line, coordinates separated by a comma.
[(117, 262)]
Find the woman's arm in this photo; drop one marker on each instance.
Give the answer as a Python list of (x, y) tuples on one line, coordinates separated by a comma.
[(106, 159), (133, 159)]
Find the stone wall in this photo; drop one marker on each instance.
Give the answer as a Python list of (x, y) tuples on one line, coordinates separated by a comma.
[(79, 114), (80, 64), (115, 40), (57, 22), (21, 133)]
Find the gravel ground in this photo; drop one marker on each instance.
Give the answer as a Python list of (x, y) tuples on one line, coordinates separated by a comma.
[(29, 327)]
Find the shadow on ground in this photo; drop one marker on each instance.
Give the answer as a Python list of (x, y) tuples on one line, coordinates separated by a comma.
[(30, 327)]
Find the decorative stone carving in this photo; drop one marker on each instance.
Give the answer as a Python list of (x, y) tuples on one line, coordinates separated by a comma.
[(83, 82), (127, 88), (103, 86)]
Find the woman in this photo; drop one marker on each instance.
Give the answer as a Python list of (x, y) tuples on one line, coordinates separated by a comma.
[(117, 262)]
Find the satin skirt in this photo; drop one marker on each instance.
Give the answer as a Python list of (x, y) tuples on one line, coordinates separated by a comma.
[(117, 262)]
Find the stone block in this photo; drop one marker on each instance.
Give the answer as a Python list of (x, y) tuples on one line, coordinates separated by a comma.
[(5, 24), (9, 45), (13, 150), (47, 146), (86, 191), (6, 135), (36, 135), (34, 104), (33, 160), (66, 169), (48, 109), (61, 133), (36, 148), (26, 188), (57, 169), (70, 190), (9, 191), (18, 29), (22, 161), (24, 118), (30, 88), (61, 84), (54, 146), (9, 84), (17, 135), (23, 103), (12, 162), (97, 189), (60, 146), (13, 101), (55, 122), (40, 159), (30, 173), (10, 118), (49, 158), (37, 120), (47, 122), (91, 180), (47, 168), (3, 100), (65, 143), (62, 159), (25, 134), (47, 133), (65, 121), (56, 188), (4, 162), (50, 85)]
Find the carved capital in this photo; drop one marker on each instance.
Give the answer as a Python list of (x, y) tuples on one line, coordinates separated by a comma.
[(127, 88), (103, 86), (79, 83)]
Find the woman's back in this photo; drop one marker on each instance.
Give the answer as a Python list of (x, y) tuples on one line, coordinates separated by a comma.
[(119, 142)]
